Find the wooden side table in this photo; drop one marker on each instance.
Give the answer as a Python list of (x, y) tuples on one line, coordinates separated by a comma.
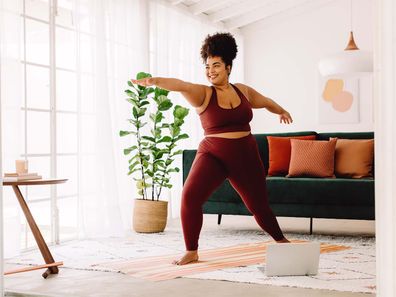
[(45, 252)]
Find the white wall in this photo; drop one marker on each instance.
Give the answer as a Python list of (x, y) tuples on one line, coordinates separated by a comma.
[(281, 57), (385, 147)]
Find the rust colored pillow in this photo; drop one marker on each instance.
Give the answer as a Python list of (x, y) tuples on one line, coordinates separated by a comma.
[(279, 153), (314, 158), (354, 158)]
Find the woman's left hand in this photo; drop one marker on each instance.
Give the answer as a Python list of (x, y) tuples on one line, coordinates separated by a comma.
[(285, 117)]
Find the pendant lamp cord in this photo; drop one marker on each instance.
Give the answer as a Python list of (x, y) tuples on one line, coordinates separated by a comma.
[(351, 15)]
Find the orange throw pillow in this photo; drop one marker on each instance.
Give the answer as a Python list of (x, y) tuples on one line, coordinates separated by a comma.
[(279, 153), (314, 158), (354, 158)]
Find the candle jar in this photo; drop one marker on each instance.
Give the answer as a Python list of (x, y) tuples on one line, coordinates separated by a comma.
[(21, 166)]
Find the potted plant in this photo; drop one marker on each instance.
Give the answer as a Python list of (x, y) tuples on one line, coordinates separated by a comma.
[(152, 153)]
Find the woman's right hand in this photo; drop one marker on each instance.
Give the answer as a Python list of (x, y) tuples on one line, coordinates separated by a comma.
[(145, 82)]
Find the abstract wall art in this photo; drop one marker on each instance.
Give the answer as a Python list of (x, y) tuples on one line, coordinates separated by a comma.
[(339, 100)]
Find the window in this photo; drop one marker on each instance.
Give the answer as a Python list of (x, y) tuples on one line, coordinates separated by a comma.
[(50, 114)]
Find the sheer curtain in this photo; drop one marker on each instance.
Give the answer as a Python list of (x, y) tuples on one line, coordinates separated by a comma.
[(11, 99), (175, 42), (110, 40), (112, 48)]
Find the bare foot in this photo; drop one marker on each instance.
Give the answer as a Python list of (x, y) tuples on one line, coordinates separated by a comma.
[(284, 240), (189, 256)]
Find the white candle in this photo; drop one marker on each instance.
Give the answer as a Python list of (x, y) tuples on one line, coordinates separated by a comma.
[(21, 166)]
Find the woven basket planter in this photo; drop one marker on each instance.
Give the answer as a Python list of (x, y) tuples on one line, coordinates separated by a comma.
[(150, 216)]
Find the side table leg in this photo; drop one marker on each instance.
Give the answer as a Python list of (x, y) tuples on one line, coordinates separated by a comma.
[(45, 252)]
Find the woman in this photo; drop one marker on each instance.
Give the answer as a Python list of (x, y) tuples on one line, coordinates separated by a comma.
[(229, 150)]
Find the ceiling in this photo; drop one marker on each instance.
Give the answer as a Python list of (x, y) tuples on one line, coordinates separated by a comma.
[(237, 14)]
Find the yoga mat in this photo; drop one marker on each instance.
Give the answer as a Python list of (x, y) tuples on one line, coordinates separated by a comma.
[(158, 268)]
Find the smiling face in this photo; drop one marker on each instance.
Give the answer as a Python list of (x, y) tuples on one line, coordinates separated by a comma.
[(216, 71)]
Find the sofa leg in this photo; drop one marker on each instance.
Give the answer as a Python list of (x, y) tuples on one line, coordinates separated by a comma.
[(219, 219), (310, 225)]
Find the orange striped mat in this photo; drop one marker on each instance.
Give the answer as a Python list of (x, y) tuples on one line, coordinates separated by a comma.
[(159, 268)]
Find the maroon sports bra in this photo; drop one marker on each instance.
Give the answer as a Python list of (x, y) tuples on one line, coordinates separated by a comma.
[(215, 119)]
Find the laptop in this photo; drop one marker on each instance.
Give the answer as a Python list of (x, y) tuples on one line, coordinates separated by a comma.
[(286, 259)]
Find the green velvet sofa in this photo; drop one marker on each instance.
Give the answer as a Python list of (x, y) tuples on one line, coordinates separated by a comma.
[(335, 198)]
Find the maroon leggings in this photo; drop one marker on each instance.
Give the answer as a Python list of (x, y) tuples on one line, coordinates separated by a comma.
[(217, 159)]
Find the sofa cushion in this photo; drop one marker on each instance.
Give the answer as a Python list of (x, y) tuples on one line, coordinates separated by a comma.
[(262, 143), (320, 191), (354, 158), (279, 153), (312, 158)]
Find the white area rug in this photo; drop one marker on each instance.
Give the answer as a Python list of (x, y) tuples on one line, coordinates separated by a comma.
[(351, 270)]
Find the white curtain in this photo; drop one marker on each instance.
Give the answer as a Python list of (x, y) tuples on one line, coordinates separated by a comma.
[(111, 46), (11, 99), (113, 51), (175, 41)]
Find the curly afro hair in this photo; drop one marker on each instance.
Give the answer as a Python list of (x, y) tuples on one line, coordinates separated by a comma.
[(219, 45)]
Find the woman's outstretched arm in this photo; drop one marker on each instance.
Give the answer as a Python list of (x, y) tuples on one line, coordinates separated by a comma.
[(258, 100), (194, 93)]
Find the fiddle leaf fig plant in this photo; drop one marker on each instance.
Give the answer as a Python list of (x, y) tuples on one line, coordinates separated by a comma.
[(153, 152)]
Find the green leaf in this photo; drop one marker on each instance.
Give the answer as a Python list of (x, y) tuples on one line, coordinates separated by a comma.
[(179, 152), (147, 91), (124, 133), (159, 117), (162, 98), (145, 164), (165, 105), (131, 94), (174, 131), (180, 112), (134, 102), (135, 112), (129, 150), (165, 139), (176, 169), (159, 92), (133, 171), (133, 158), (155, 168), (130, 83), (178, 122), (141, 75), (133, 165), (149, 138), (142, 111), (182, 136)]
